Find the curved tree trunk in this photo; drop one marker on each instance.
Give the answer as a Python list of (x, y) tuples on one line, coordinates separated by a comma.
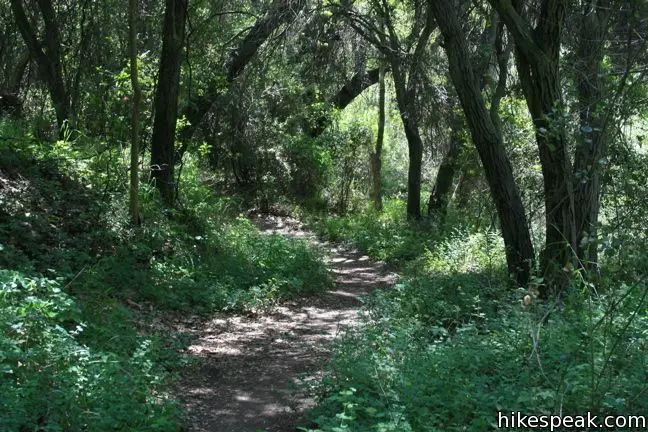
[(279, 13), (48, 59), (538, 58), (491, 41), (166, 101), (489, 143), (358, 83)]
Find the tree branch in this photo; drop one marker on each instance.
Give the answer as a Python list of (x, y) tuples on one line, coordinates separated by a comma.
[(520, 29)]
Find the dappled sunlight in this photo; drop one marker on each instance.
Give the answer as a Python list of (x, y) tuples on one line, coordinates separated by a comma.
[(255, 366)]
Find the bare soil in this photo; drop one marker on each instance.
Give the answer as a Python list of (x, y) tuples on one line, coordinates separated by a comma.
[(251, 370)]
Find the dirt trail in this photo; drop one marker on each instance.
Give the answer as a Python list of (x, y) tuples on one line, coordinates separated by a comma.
[(250, 367)]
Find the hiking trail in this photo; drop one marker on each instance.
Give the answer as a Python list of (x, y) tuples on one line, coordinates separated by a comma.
[(249, 369)]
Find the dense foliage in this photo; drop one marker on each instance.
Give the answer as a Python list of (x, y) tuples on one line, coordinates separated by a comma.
[(492, 151), (452, 345)]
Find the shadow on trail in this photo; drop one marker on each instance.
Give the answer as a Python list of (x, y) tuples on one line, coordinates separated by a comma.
[(252, 369)]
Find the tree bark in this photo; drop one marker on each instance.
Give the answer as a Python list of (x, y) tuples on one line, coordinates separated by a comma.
[(376, 155), (406, 100), (538, 58), (592, 144), (166, 101), (414, 145), (281, 11), (490, 40), (49, 63), (438, 201), (137, 97), (415, 151), (489, 143)]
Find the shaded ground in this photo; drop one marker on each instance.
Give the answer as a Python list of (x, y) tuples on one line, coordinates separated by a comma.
[(248, 376), (48, 219)]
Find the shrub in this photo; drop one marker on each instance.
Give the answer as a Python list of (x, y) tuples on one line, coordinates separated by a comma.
[(51, 381)]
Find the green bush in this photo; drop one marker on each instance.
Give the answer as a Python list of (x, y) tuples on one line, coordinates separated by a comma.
[(51, 381), (233, 267)]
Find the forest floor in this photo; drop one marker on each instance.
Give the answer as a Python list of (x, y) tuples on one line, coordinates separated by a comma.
[(251, 373)]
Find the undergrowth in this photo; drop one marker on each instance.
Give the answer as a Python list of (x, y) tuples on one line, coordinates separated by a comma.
[(55, 378), (80, 287), (384, 236), (453, 343)]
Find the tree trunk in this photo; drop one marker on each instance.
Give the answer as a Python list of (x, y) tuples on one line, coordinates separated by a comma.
[(415, 151), (376, 155), (137, 97), (592, 144), (543, 95), (166, 101), (439, 198), (489, 143), (406, 100), (490, 40), (538, 58), (49, 61)]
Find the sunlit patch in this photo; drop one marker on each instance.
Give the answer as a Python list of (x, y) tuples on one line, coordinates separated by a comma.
[(257, 365)]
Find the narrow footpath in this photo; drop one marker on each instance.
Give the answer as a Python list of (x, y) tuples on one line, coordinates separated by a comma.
[(251, 369)]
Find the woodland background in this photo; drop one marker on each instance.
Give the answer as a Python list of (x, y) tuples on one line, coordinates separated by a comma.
[(492, 150)]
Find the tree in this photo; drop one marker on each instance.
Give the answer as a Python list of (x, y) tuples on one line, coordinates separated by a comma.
[(537, 55), (598, 101), (405, 57), (488, 141), (439, 197), (278, 13), (14, 56), (166, 100), (137, 97), (47, 54), (359, 82), (376, 154), (489, 46)]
